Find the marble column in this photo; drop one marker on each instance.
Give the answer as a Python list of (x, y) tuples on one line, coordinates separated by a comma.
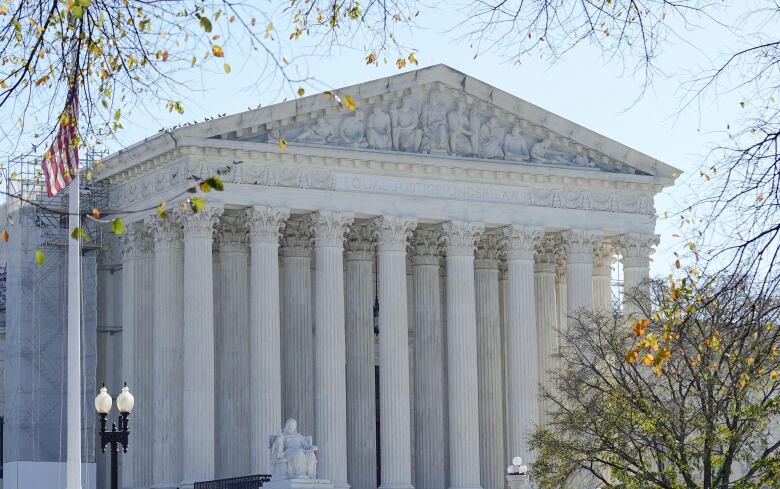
[(232, 348), (297, 339), (361, 410), (603, 253), (522, 353), (635, 250), (168, 377), (329, 350), (462, 381), (265, 363), (579, 270), (429, 381), (198, 344), (560, 289), (394, 407), (546, 313), (490, 369)]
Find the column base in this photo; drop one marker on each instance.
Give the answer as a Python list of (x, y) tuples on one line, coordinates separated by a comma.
[(299, 484)]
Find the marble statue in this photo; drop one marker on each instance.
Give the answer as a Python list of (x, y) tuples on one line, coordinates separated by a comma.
[(460, 130), (543, 151), (405, 127), (490, 139), (582, 159), (434, 124), (352, 131), (516, 146), (292, 454), (320, 133), (378, 132)]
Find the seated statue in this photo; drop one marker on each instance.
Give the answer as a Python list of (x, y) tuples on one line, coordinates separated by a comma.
[(352, 131), (292, 454), (544, 151), (516, 146), (489, 140), (320, 133)]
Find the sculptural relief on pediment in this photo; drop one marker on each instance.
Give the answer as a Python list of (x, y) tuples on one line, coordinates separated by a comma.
[(438, 121)]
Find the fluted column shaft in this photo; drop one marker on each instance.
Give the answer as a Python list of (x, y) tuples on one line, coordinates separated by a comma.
[(232, 349), (330, 350), (546, 314), (429, 380), (579, 271), (462, 382), (361, 416), (265, 376), (297, 339), (522, 353), (394, 407), (198, 343), (491, 380), (168, 347), (603, 252)]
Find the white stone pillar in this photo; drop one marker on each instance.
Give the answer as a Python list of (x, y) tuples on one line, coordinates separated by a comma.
[(297, 339), (394, 404), (491, 379), (198, 345), (462, 382), (265, 363), (361, 403), (429, 381), (579, 270), (546, 313), (232, 349), (603, 253), (521, 347), (168, 348), (329, 349), (635, 250), (560, 289)]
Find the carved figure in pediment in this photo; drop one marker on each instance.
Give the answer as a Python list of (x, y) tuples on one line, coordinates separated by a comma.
[(544, 151), (378, 133), (517, 146), (460, 130), (582, 159), (405, 127), (434, 124), (352, 131), (320, 133), (490, 139)]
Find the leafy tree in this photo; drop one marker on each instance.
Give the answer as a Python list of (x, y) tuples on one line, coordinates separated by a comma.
[(685, 397)]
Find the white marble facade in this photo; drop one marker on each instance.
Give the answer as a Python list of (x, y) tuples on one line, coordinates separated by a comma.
[(477, 220)]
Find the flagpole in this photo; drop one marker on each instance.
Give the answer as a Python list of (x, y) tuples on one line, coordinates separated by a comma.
[(74, 338)]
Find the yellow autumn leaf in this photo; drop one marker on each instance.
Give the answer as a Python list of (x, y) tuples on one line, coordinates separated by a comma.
[(632, 356), (640, 326), (773, 374), (217, 51), (282, 144), (227, 68), (40, 257), (349, 103), (301, 91), (648, 359)]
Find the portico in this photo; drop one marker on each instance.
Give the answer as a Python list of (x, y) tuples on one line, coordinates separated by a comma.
[(262, 305)]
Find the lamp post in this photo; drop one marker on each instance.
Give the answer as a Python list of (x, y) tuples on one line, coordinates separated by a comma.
[(117, 436)]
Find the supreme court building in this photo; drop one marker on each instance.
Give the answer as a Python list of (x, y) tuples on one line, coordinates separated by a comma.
[(393, 279)]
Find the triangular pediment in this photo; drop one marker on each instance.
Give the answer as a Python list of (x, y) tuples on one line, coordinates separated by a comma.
[(435, 111)]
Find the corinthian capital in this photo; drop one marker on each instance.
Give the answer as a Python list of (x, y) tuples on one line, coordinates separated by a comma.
[(519, 241), (489, 249), (458, 237), (360, 241), (579, 245), (392, 233), (603, 255), (637, 248), (232, 234), (329, 227), (297, 237), (426, 246), (547, 248), (201, 224), (136, 243), (166, 233), (266, 223)]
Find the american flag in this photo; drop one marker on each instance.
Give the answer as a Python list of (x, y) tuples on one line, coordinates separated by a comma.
[(61, 162)]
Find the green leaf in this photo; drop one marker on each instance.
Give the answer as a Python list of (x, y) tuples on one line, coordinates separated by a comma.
[(79, 232), (205, 23), (117, 227), (216, 183), (197, 204), (40, 258), (192, 190), (117, 114)]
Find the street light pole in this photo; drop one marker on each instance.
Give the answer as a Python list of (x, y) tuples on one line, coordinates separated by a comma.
[(118, 435)]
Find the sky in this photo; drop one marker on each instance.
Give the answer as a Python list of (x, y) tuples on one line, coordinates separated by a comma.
[(602, 95)]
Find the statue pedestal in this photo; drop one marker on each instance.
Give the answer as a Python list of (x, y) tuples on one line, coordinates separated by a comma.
[(515, 481), (298, 484)]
